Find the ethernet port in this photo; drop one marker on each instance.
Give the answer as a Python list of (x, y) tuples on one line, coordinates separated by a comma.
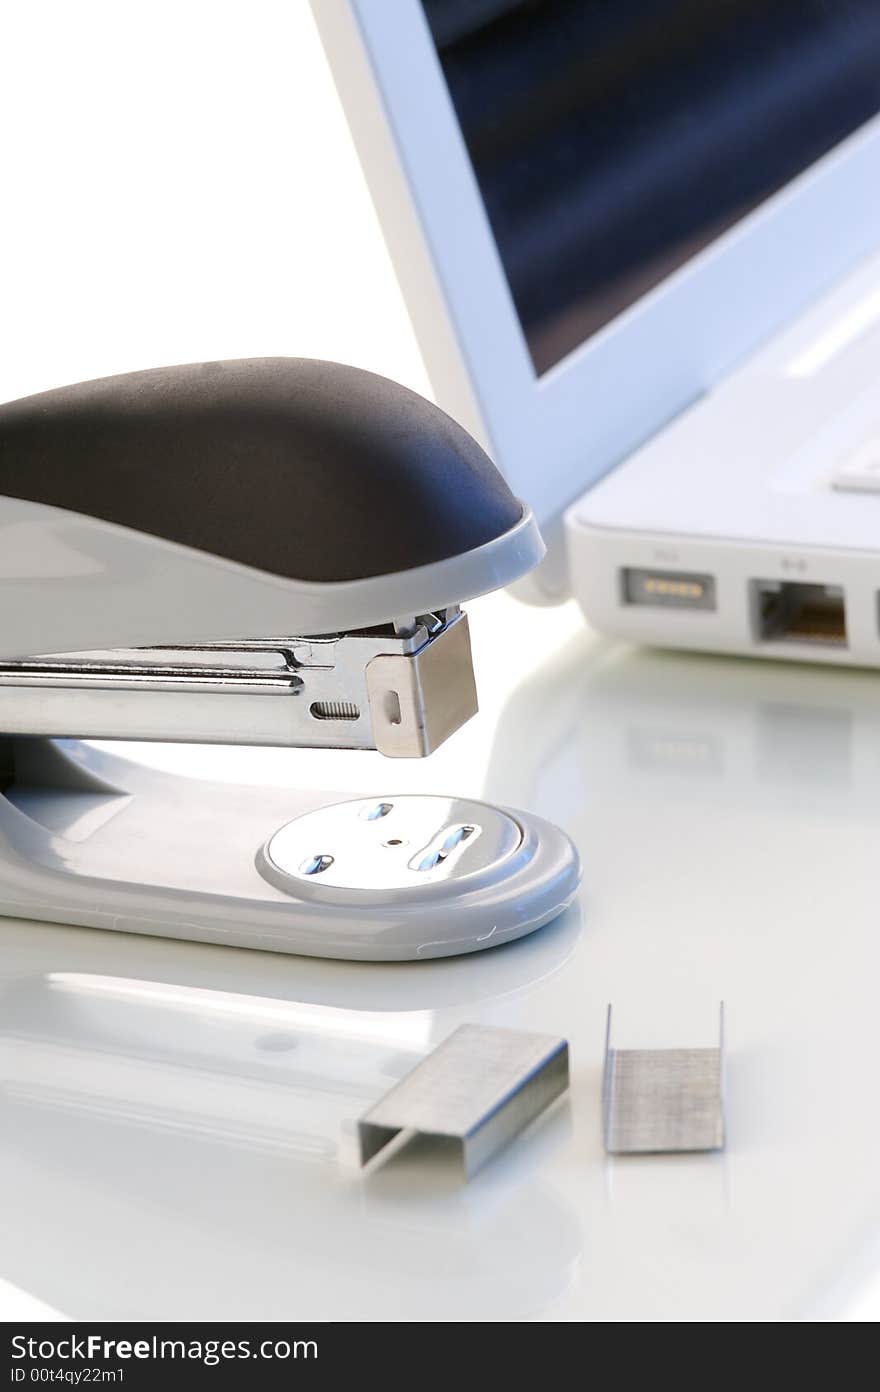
[(788, 611)]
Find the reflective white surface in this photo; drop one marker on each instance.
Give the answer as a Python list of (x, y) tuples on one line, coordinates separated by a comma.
[(177, 1133)]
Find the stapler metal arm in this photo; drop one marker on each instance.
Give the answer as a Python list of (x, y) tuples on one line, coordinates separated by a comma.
[(399, 689), (265, 552)]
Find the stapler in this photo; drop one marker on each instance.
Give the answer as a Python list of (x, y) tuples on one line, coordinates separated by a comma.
[(263, 552)]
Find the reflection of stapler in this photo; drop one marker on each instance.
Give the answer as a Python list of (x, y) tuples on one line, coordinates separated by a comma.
[(165, 533)]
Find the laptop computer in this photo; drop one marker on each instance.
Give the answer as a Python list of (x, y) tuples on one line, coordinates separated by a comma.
[(640, 245)]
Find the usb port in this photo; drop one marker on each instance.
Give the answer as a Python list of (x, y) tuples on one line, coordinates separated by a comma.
[(789, 611), (668, 589)]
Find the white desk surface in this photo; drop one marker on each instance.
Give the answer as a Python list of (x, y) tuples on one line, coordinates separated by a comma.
[(176, 1122)]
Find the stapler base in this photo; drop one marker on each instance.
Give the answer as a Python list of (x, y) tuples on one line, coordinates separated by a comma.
[(90, 838)]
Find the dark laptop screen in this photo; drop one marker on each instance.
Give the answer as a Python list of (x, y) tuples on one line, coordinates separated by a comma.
[(612, 139)]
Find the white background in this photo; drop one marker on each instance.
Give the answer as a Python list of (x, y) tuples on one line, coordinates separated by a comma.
[(179, 184)]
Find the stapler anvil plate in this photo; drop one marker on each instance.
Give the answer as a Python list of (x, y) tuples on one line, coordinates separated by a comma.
[(265, 552)]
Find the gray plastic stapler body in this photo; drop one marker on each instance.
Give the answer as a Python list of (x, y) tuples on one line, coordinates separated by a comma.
[(271, 552)]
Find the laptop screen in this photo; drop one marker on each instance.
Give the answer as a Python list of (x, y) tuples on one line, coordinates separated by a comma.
[(612, 139)]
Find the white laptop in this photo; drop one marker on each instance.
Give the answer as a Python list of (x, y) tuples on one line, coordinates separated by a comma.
[(640, 244)]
